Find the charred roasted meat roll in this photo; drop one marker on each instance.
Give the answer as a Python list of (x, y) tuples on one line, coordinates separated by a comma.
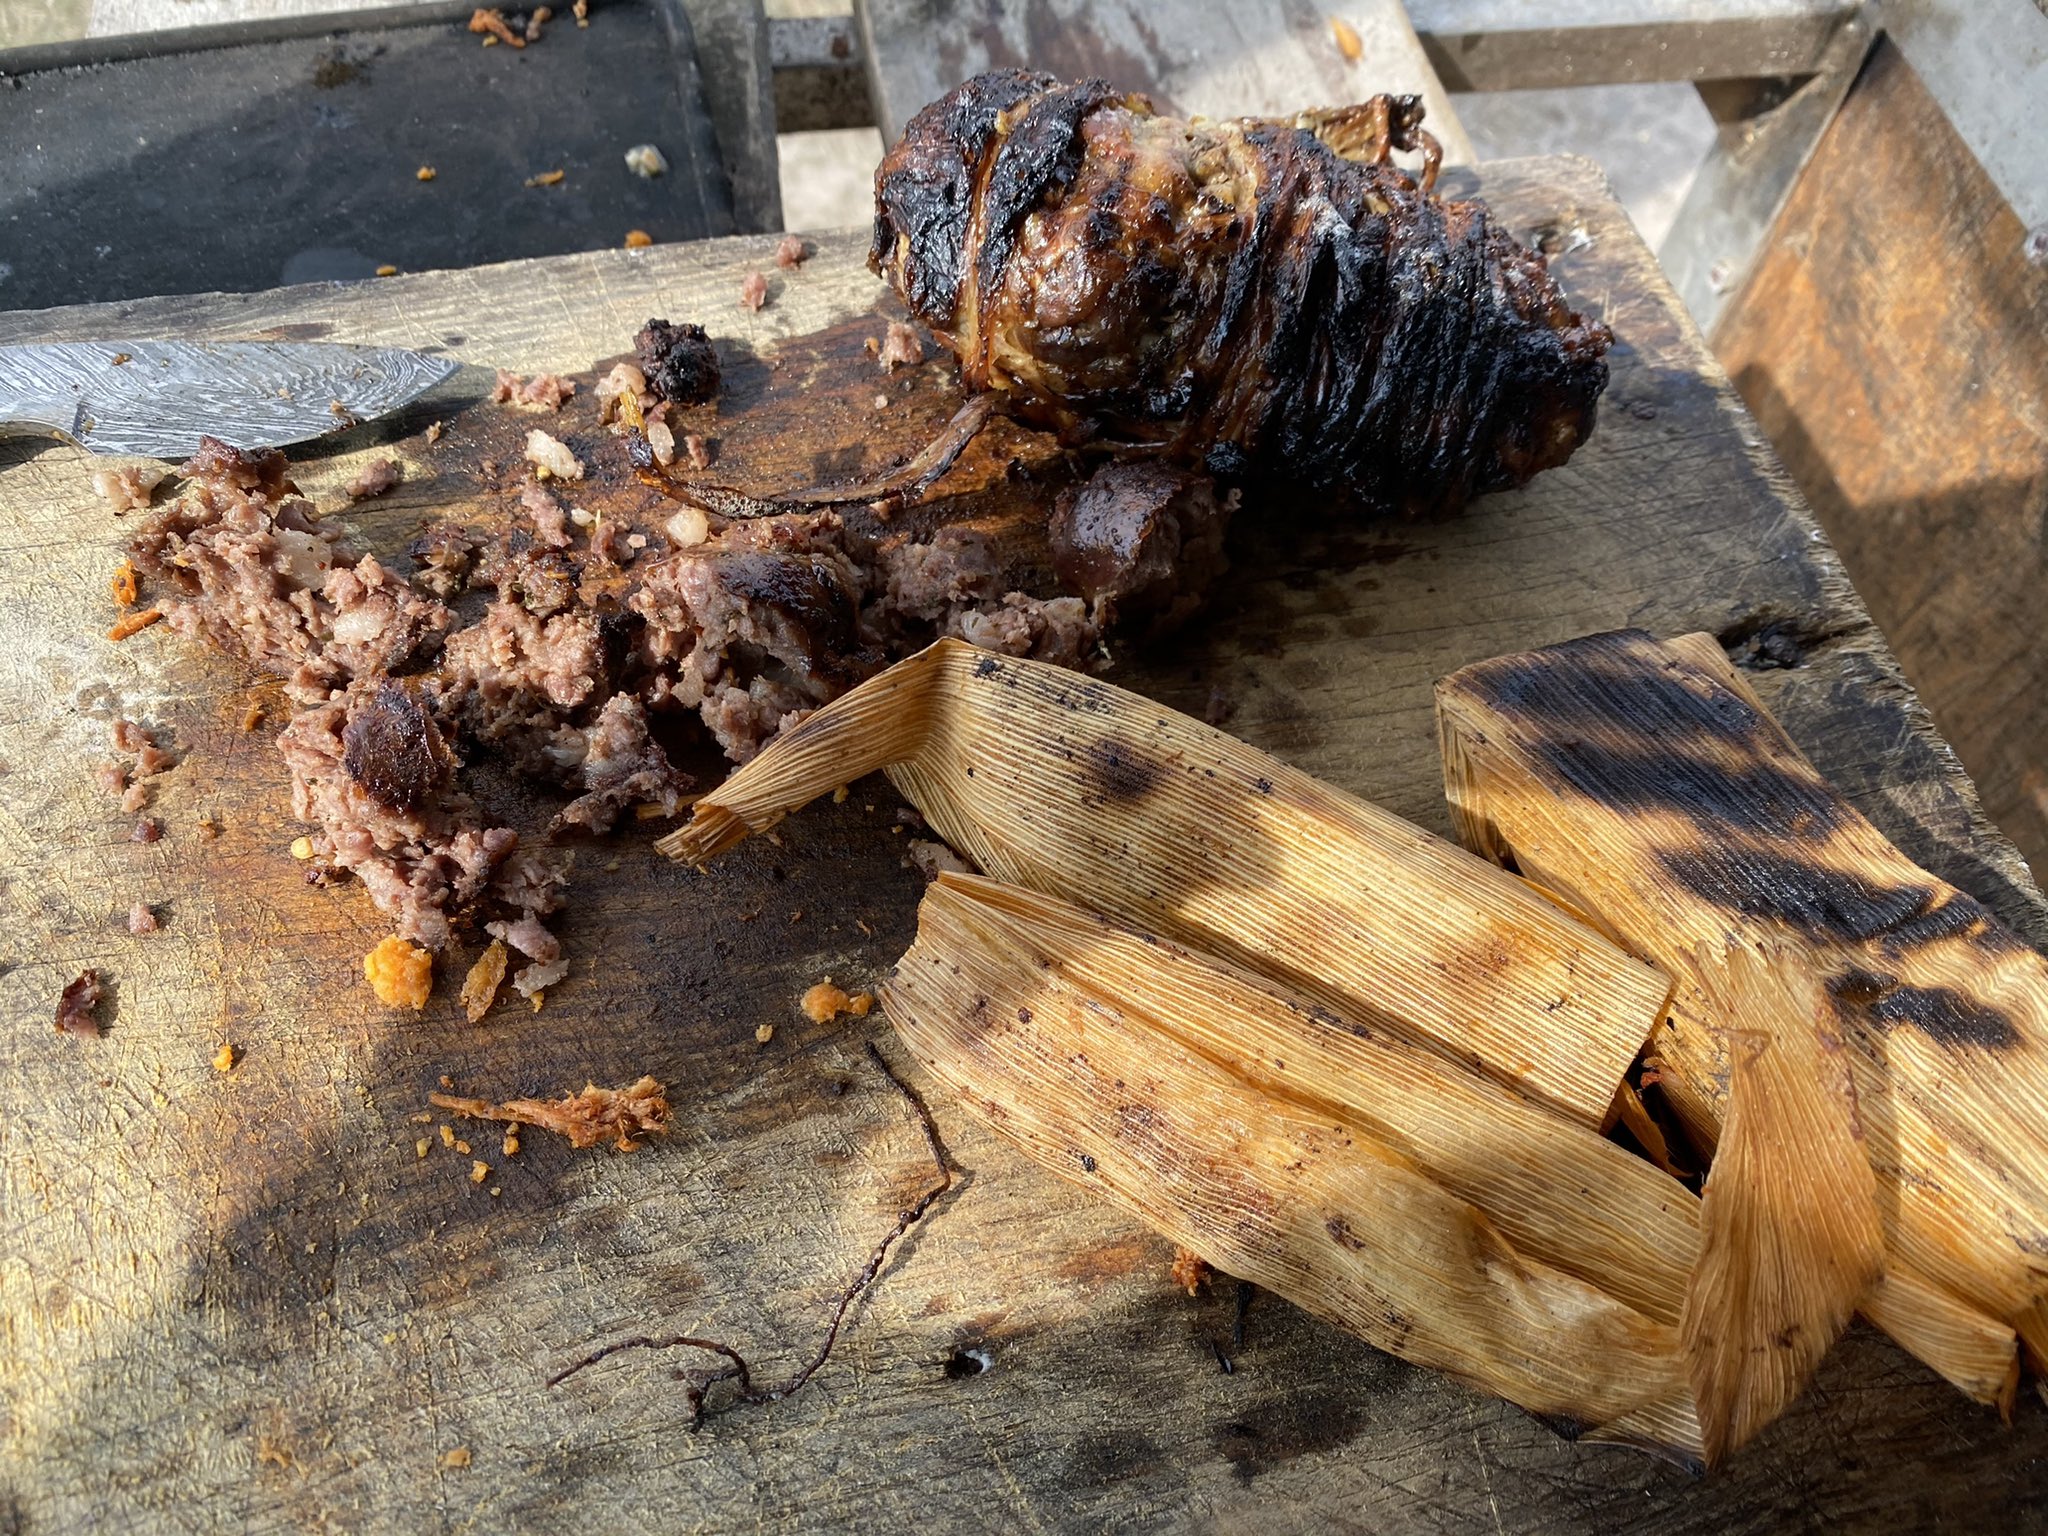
[(1262, 299)]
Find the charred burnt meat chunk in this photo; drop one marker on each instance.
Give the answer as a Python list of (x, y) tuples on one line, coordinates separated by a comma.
[(679, 362), (1261, 299), (1142, 543)]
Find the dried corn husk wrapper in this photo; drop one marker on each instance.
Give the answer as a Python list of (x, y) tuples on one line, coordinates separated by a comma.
[(1122, 1065), (1062, 783), (1645, 784)]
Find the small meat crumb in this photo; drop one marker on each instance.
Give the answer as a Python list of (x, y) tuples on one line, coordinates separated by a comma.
[(491, 24), (698, 450), (387, 270), (586, 1118), (135, 797), (581, 11), (552, 178), (480, 986), (75, 1007), (644, 160), (378, 477), (933, 859), (421, 1147), (225, 1058), (459, 1457), (1190, 1270), (825, 1002), (424, 173), (764, 1034), (544, 391), (142, 920), (753, 291), (123, 585), (678, 362), (147, 830), (447, 1135), (638, 239), (434, 431), (901, 347), (253, 716), (401, 974), (511, 1147), (551, 456), (111, 777), (478, 1172), (539, 18), (130, 489), (790, 252)]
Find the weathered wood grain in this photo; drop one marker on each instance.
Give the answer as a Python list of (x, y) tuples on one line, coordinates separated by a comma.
[(1252, 58), (243, 1300), (1905, 381)]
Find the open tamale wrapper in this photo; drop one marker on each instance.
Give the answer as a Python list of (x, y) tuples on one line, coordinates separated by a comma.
[(1646, 786), (1332, 1054)]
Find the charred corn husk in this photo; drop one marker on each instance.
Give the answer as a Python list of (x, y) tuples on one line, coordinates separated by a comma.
[(1048, 1023), (1646, 785), (1064, 784), (1557, 1189)]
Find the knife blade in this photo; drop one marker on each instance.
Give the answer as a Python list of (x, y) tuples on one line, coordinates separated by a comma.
[(156, 398)]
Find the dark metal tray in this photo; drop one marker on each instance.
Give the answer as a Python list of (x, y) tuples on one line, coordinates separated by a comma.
[(246, 156)]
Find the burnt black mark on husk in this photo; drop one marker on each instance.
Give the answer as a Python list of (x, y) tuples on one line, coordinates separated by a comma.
[(1812, 899), (1630, 733), (1117, 775), (1944, 1015)]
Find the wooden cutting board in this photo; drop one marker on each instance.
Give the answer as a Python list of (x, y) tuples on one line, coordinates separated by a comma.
[(245, 1300)]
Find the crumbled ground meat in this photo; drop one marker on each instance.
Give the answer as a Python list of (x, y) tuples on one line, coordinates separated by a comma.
[(491, 23), (586, 1118), (901, 347), (147, 830), (128, 489), (377, 477), (128, 736), (678, 362), (550, 517), (1056, 630), (544, 391), (1190, 1270), (111, 777), (698, 450), (622, 766), (141, 919), (536, 978), (753, 291), (135, 797), (75, 1007), (790, 251)]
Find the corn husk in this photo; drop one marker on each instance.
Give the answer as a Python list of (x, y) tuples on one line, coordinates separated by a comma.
[(1643, 782), (1049, 1023), (1791, 1240), (1064, 784), (1556, 1189)]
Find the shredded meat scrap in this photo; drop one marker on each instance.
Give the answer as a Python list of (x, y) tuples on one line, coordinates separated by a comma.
[(586, 1118)]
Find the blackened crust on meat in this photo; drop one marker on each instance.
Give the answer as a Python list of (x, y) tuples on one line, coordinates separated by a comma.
[(392, 748), (1142, 543), (679, 362), (926, 196), (1034, 160), (1260, 299)]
